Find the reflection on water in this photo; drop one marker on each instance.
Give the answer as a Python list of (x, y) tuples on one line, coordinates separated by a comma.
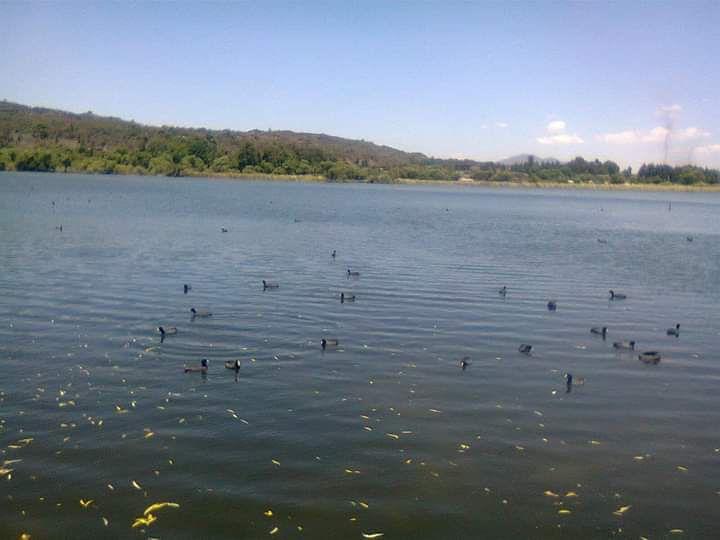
[(381, 432)]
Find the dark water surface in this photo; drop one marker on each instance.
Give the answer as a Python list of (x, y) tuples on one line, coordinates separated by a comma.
[(386, 434)]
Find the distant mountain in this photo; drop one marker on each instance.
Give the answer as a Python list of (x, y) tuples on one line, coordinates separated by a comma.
[(524, 158)]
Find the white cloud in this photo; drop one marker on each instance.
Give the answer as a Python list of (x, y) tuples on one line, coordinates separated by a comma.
[(708, 149), (556, 134), (502, 125), (656, 134), (669, 110), (556, 126)]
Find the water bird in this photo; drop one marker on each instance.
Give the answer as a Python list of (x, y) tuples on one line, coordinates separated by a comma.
[(346, 297), (202, 369), (333, 253), (268, 285), (688, 238), (617, 296), (552, 305), (353, 273), (599, 331), (58, 228), (465, 362), (628, 345), (602, 241), (568, 382), (525, 348), (674, 331), (169, 331), (650, 357), (223, 229), (186, 288), (325, 343), (502, 291), (200, 312), (233, 364)]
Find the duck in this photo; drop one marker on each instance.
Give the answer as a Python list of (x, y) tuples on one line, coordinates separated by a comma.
[(353, 273), (268, 285), (202, 369), (552, 305), (464, 362), (169, 331), (502, 291), (346, 298), (650, 357), (333, 254), (200, 312), (325, 343), (233, 364), (617, 296), (525, 348), (688, 238), (630, 345), (602, 241), (599, 331), (186, 288), (674, 331), (223, 229)]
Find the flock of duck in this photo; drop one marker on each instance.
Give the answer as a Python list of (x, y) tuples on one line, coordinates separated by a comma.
[(648, 357)]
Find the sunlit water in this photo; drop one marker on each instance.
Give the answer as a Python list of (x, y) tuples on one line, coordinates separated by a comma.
[(386, 434)]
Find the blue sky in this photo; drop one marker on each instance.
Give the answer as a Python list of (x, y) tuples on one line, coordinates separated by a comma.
[(482, 80)]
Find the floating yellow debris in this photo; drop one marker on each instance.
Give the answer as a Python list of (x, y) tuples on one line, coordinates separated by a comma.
[(149, 434), (85, 504), (275, 462), (464, 446), (159, 506), (393, 435), (147, 520), (682, 469), (352, 471), (594, 442), (638, 458), (367, 428), (136, 485), (408, 461), (25, 536), (676, 531), (571, 494), (268, 513), (275, 530), (111, 487), (105, 521), (364, 505), (549, 493), (5, 472), (620, 511), (564, 512), (370, 536)]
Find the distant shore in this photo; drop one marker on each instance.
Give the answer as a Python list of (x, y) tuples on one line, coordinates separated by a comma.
[(668, 187)]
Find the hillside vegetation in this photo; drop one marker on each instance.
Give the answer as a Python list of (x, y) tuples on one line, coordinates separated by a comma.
[(39, 139)]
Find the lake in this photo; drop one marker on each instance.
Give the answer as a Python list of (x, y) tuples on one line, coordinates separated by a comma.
[(385, 433)]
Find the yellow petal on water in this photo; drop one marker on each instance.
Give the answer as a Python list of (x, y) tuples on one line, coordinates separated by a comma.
[(594, 442), (367, 428), (136, 485), (149, 434), (551, 494), (676, 531), (620, 511), (5, 472), (364, 505), (682, 469), (571, 494), (85, 504), (111, 487), (159, 506), (408, 461), (564, 512), (369, 536), (393, 435), (105, 521), (275, 462), (275, 530), (147, 520), (268, 513)]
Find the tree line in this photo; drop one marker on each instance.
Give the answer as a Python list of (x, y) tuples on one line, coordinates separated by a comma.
[(47, 140)]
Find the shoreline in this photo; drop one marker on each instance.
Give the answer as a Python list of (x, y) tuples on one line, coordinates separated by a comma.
[(315, 179)]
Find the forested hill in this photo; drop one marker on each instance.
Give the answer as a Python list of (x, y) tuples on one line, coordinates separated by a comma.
[(40, 139)]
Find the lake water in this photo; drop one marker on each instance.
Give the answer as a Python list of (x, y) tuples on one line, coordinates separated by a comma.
[(385, 433)]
